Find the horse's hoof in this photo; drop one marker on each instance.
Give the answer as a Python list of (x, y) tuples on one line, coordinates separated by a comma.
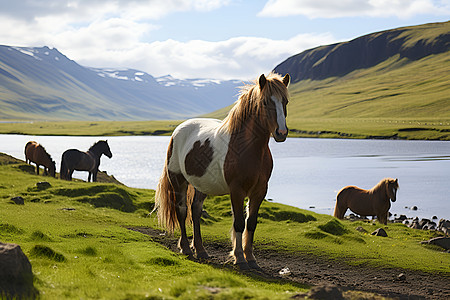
[(202, 255), (243, 266), (253, 265), (189, 254)]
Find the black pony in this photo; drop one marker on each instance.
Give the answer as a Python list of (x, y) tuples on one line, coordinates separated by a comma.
[(74, 159)]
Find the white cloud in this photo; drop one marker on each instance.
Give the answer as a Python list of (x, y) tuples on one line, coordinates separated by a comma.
[(112, 41), (239, 57), (355, 8)]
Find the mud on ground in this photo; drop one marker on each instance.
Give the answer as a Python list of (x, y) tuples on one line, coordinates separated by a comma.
[(356, 282)]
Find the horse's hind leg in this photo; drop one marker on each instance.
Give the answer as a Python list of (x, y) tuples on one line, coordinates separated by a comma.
[(196, 208), (37, 169), (69, 174), (180, 186), (340, 208)]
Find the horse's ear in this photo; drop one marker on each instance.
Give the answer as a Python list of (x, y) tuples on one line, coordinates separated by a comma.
[(262, 81), (286, 79), (396, 180)]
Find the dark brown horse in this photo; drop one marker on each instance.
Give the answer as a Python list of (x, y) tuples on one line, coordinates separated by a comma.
[(35, 152), (225, 157), (74, 159), (373, 202)]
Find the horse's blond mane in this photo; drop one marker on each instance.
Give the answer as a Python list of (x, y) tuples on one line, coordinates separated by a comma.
[(383, 183), (253, 102)]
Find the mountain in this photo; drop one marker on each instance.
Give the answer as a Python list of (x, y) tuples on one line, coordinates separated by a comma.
[(336, 60), (42, 83)]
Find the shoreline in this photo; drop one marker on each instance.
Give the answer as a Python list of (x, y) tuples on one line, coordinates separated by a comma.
[(428, 129)]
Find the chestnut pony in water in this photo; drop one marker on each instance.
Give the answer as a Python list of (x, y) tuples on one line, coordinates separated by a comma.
[(35, 152), (74, 159), (224, 157), (373, 202)]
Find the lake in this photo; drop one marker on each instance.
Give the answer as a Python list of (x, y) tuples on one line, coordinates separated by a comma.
[(307, 172)]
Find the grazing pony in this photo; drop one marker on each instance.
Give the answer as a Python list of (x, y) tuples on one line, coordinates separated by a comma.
[(224, 157), (35, 152), (74, 159), (373, 202)]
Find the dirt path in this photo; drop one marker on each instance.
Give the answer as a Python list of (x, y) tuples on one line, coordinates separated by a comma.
[(311, 270)]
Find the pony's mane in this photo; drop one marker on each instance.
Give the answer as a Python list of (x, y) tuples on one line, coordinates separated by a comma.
[(46, 153), (383, 182), (253, 102), (95, 144)]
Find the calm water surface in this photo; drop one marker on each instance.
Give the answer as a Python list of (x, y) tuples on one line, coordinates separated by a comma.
[(307, 172)]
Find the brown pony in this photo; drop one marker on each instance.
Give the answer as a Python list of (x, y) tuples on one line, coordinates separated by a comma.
[(224, 157), (35, 152), (373, 202)]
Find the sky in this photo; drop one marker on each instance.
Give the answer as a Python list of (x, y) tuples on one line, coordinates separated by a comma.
[(219, 39)]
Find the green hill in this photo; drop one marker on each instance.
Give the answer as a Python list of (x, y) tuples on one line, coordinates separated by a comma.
[(391, 84)]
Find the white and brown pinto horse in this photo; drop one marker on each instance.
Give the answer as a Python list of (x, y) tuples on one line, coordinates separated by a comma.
[(373, 202), (225, 157)]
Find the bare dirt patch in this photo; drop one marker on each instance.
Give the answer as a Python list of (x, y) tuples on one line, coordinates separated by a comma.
[(355, 282)]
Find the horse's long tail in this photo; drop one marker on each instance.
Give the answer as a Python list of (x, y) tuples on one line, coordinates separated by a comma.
[(63, 170), (165, 201), (27, 160), (338, 213)]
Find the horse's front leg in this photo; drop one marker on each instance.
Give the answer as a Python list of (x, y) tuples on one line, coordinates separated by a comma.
[(237, 205), (382, 218), (37, 169), (196, 208), (252, 219), (94, 175)]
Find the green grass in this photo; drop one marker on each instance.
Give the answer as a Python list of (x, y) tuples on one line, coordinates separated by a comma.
[(80, 247), (87, 128)]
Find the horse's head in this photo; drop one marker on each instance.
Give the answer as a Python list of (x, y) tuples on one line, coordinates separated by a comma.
[(392, 187), (52, 168), (105, 149), (274, 89)]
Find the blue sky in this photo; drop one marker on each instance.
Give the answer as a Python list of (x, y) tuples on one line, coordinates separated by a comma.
[(219, 39)]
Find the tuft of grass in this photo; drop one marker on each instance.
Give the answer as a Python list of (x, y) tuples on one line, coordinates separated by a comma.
[(333, 227), (6, 228), (162, 261), (90, 251), (40, 236), (46, 252)]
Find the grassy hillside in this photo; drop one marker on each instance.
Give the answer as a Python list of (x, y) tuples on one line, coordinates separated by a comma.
[(75, 235), (396, 98)]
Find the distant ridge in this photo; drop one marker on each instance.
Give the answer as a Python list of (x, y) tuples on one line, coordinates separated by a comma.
[(339, 59), (40, 83)]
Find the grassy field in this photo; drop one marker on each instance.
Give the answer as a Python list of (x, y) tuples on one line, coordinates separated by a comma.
[(89, 128), (75, 235)]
